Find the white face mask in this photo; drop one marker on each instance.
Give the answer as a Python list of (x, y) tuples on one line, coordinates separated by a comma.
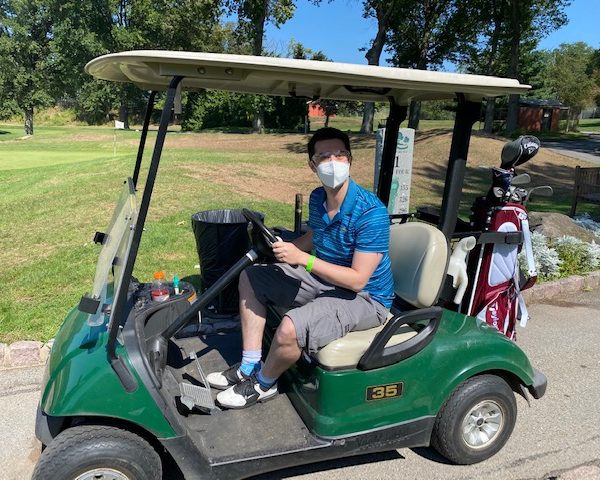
[(333, 173)]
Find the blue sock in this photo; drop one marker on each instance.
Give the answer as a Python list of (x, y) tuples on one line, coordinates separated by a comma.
[(250, 361), (264, 381)]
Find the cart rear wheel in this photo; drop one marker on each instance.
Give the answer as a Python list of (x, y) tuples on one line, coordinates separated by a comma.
[(93, 452), (476, 420)]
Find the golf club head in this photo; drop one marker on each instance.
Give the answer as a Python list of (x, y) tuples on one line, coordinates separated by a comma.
[(518, 195), (519, 151), (502, 178), (542, 191), (500, 185), (521, 179)]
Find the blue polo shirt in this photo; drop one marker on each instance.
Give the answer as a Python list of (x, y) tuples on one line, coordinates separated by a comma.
[(362, 224)]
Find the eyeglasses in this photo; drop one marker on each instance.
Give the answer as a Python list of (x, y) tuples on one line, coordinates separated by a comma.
[(338, 155)]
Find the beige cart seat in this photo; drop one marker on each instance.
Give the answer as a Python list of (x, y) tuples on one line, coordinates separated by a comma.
[(419, 255)]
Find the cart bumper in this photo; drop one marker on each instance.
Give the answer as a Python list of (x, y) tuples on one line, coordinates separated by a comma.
[(538, 387), (47, 427)]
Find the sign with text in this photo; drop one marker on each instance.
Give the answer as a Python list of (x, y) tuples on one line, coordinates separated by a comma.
[(400, 188)]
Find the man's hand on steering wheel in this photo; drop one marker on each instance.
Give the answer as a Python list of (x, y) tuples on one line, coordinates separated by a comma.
[(289, 253)]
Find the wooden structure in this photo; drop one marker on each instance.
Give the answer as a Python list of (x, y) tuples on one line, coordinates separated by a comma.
[(539, 115), (587, 187)]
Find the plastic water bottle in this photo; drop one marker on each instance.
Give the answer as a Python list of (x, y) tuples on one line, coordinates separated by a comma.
[(159, 291)]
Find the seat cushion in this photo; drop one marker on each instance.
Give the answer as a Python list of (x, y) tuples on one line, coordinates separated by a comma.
[(346, 352), (419, 257)]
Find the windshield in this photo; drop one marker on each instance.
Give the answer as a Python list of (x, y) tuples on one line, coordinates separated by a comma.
[(116, 243)]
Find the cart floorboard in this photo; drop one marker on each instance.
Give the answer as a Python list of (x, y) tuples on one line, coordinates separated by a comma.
[(268, 428)]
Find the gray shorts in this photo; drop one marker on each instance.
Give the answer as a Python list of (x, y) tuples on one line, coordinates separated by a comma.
[(321, 312)]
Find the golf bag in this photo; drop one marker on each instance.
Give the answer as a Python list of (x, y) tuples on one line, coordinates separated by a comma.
[(496, 297), (494, 264)]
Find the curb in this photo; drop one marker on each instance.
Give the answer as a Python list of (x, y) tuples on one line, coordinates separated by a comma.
[(569, 285), (29, 353)]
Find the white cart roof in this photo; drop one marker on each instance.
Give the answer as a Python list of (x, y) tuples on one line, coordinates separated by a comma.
[(153, 70)]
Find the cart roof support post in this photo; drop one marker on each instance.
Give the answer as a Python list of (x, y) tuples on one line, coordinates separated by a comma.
[(140, 154), (396, 117), (121, 295), (466, 115)]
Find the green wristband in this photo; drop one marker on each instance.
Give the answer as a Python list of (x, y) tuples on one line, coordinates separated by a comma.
[(310, 263)]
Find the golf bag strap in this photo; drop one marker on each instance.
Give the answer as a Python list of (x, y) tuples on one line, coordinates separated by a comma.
[(531, 270), (524, 313)]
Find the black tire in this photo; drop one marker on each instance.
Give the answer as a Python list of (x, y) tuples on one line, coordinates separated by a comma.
[(493, 401), (87, 448)]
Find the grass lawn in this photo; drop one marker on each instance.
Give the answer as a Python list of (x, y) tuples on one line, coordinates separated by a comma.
[(60, 186), (590, 125)]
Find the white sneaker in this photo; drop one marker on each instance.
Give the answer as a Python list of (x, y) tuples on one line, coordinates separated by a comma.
[(246, 393), (227, 378)]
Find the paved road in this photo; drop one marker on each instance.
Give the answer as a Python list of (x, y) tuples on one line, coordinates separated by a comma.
[(557, 437), (583, 149)]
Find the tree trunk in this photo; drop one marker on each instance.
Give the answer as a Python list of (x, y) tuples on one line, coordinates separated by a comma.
[(29, 121), (367, 120), (413, 114), (258, 123), (326, 121), (512, 115), (383, 13), (490, 108)]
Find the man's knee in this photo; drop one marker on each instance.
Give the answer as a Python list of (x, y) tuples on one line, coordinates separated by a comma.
[(244, 285), (286, 332)]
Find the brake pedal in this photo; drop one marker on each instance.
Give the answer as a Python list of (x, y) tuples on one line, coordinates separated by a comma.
[(195, 395)]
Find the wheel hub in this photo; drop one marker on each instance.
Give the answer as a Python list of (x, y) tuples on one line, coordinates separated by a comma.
[(480, 427), (102, 474)]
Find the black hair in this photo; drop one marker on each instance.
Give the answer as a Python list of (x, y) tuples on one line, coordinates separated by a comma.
[(327, 133)]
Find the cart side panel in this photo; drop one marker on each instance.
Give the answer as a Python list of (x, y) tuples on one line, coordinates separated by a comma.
[(338, 403), (79, 380)]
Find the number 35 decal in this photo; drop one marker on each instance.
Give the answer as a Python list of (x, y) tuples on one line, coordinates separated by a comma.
[(379, 392)]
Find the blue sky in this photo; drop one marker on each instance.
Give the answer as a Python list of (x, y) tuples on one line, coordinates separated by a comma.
[(339, 30)]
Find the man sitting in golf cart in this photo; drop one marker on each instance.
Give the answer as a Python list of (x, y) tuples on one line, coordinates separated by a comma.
[(346, 286)]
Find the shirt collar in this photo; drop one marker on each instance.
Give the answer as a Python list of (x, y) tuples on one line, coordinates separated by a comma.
[(350, 198), (347, 204)]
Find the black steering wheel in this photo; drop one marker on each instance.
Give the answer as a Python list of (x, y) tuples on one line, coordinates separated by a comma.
[(257, 222)]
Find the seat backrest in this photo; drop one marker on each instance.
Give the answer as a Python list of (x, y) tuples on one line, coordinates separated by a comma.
[(419, 257)]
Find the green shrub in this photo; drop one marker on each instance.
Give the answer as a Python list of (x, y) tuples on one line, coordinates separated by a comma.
[(216, 109), (573, 253), (562, 257)]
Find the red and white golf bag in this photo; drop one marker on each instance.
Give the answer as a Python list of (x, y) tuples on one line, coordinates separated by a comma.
[(496, 295)]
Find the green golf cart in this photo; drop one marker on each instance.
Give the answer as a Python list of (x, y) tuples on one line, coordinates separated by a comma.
[(124, 394)]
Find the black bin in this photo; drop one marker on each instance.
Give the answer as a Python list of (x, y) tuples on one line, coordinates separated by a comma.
[(221, 240)]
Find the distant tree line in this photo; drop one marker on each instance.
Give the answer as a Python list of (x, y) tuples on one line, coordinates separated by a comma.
[(44, 45)]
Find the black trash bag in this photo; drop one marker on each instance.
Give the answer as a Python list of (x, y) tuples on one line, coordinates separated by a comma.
[(221, 240)]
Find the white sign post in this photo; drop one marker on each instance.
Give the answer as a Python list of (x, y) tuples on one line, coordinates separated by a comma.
[(118, 126), (401, 177)]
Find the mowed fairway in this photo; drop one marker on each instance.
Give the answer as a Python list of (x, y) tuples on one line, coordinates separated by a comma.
[(60, 186)]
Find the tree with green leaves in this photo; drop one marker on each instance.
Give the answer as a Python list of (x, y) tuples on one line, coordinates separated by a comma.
[(426, 33), (25, 39), (384, 11), (253, 16), (594, 71), (571, 80), (509, 32), (84, 30)]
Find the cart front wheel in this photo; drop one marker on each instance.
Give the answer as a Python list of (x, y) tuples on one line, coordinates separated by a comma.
[(476, 420), (91, 452)]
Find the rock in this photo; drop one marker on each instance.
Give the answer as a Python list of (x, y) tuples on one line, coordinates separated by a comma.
[(2, 354), (555, 225), (45, 351), (24, 353)]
